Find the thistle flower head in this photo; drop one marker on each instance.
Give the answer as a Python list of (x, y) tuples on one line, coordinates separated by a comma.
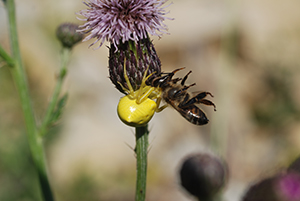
[(139, 57), (123, 20)]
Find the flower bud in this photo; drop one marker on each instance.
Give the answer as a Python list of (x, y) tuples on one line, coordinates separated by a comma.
[(282, 187), (138, 57), (261, 191), (67, 35), (203, 175), (295, 166), (288, 187)]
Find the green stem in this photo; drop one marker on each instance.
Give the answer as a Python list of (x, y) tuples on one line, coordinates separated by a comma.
[(63, 70), (141, 150), (18, 74), (214, 198), (6, 57)]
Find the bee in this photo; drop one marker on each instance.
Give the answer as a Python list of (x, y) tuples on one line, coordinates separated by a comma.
[(176, 95)]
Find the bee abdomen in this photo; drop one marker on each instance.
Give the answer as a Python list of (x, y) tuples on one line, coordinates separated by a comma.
[(196, 116)]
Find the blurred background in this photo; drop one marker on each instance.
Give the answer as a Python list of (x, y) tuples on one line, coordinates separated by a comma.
[(246, 53)]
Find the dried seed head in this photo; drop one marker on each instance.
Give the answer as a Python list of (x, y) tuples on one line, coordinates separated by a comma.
[(67, 35)]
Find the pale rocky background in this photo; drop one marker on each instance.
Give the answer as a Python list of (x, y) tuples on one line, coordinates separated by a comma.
[(244, 52)]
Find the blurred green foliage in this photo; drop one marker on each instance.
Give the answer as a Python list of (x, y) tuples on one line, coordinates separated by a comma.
[(18, 179), (277, 108)]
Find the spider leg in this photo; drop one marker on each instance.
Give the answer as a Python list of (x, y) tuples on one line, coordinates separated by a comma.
[(143, 95), (184, 79), (159, 109), (124, 89), (127, 80)]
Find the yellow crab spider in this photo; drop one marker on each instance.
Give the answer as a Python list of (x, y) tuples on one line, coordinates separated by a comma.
[(138, 107)]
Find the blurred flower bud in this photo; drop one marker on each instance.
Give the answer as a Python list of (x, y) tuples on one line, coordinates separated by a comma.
[(203, 175), (139, 56), (288, 186), (295, 166), (261, 191), (67, 35), (281, 187)]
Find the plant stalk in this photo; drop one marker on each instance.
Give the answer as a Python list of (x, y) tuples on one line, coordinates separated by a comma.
[(6, 57), (53, 102), (19, 76), (141, 151)]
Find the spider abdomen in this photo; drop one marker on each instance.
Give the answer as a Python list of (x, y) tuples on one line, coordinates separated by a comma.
[(133, 114)]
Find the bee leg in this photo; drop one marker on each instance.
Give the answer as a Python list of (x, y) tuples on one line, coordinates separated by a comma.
[(179, 92), (176, 80), (200, 99), (184, 79), (174, 71), (208, 102), (159, 81), (200, 96)]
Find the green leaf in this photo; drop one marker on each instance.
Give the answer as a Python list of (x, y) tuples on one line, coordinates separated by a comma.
[(58, 110)]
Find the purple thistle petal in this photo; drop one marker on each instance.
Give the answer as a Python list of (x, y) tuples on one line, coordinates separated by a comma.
[(123, 20), (289, 186)]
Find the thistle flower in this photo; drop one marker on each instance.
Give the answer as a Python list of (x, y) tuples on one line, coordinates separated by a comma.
[(126, 25), (139, 57), (132, 57), (118, 21)]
